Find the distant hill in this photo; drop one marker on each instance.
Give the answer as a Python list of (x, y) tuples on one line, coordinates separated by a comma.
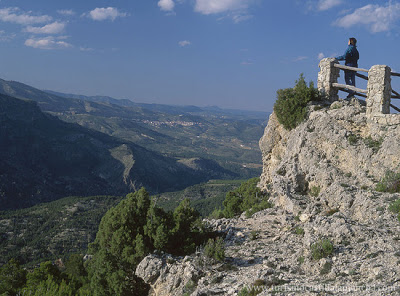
[(228, 137), (43, 158), (171, 109)]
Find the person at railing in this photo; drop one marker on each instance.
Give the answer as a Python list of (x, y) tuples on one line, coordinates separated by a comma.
[(350, 57)]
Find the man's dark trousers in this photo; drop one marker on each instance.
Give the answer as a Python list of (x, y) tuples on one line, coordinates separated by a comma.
[(350, 78)]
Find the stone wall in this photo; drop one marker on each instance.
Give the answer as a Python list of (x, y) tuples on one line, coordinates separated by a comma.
[(327, 75), (379, 90)]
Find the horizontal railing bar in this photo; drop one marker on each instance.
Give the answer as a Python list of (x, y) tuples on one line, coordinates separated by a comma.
[(396, 93), (395, 108), (350, 87), (355, 93), (362, 76), (349, 68)]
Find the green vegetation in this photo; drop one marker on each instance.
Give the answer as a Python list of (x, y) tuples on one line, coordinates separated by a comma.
[(299, 231), (353, 139), (395, 208), (250, 291), (46, 279), (205, 197), (127, 233), (315, 191), (215, 249), (130, 231), (248, 197), (321, 249), (51, 230), (254, 235), (326, 268), (375, 145), (389, 183), (291, 104), (189, 288)]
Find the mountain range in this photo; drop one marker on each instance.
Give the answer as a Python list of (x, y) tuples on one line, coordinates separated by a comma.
[(52, 145)]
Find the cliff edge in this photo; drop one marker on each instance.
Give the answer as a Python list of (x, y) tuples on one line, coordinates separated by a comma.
[(329, 233)]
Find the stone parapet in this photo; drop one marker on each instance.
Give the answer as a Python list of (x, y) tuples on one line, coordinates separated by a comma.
[(379, 90), (385, 119), (327, 75)]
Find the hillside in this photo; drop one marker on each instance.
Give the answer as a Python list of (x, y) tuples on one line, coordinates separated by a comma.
[(51, 230), (204, 197), (56, 229), (330, 232), (229, 137), (43, 158)]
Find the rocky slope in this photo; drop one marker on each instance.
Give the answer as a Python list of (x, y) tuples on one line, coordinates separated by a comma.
[(321, 177)]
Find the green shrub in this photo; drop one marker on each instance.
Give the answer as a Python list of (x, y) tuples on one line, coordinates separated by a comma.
[(389, 183), (321, 249), (395, 208), (314, 191), (189, 288), (131, 230), (254, 235), (215, 249), (326, 268), (299, 231), (353, 139), (248, 197), (250, 292), (300, 260), (291, 104), (216, 214), (375, 145)]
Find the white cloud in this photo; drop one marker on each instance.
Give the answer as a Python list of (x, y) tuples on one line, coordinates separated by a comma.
[(237, 18), (53, 28), (184, 43), (237, 10), (321, 56), (47, 43), (300, 58), (67, 12), (102, 14), (13, 15), (166, 5), (377, 18), (4, 37), (328, 4), (85, 49), (218, 6)]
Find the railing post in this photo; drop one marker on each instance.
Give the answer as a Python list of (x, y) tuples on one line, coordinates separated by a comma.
[(379, 90), (327, 75)]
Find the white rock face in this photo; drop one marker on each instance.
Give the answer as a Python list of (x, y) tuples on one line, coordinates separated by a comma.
[(321, 177)]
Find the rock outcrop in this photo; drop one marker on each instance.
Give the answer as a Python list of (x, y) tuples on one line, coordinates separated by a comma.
[(321, 177)]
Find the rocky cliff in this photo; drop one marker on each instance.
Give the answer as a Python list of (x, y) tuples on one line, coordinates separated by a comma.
[(322, 177)]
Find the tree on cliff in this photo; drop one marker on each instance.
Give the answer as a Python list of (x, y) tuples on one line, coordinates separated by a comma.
[(291, 105), (131, 230)]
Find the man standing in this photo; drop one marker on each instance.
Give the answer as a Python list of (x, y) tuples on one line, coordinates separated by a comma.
[(351, 57)]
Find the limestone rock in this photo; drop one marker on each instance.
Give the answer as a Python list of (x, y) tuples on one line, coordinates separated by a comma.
[(321, 177)]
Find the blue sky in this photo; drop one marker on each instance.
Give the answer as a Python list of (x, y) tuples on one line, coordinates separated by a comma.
[(229, 53)]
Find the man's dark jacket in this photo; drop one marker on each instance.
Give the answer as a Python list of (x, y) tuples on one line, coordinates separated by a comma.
[(351, 56)]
